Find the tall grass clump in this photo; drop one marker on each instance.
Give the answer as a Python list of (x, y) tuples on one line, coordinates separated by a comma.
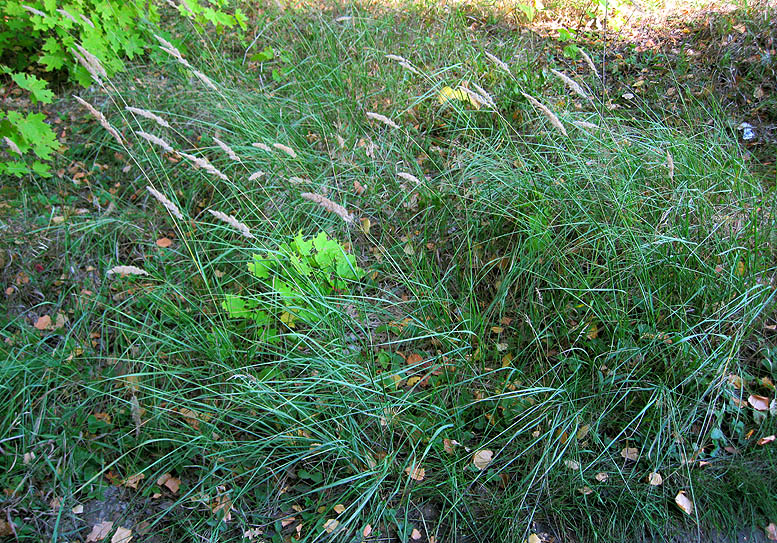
[(548, 313)]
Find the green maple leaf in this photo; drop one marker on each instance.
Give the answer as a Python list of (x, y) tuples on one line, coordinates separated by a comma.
[(37, 87)]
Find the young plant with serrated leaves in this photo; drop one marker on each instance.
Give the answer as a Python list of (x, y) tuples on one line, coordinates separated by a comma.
[(294, 277)]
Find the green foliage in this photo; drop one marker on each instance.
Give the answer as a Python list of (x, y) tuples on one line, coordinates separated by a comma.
[(27, 131), (316, 266)]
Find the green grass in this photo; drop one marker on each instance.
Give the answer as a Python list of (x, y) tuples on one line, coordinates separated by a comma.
[(566, 295)]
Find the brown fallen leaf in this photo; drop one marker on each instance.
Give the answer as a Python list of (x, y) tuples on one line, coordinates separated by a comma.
[(172, 483), (339, 508), (331, 525), (367, 531), (99, 532), (122, 535), (43, 323), (415, 534), (447, 445), (771, 531), (164, 243), (630, 453), (601, 477), (684, 502), (585, 491), (572, 464), (759, 403), (655, 479), (134, 480), (416, 473), (6, 528), (482, 459)]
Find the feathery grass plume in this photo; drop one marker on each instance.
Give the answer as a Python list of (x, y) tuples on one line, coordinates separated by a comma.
[(571, 83), (329, 205), (343, 19), (172, 50), (101, 119), (233, 222), (262, 146), (227, 149), (294, 180), (409, 177), (34, 11), (67, 15), (86, 19), (397, 58), (204, 78), (409, 67), (162, 199), (548, 113), (670, 164), (256, 175), (488, 100), (498, 62), (92, 63), (148, 115), (12, 145), (586, 124), (382, 118), (205, 164), (288, 150), (155, 140), (127, 270), (590, 63)]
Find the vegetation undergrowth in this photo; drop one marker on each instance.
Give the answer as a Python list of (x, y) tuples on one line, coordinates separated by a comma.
[(367, 281)]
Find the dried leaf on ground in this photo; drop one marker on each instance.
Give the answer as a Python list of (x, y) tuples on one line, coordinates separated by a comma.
[(416, 473), (771, 531), (630, 453), (601, 477), (43, 323), (172, 483), (339, 508), (759, 403), (684, 502), (655, 479), (415, 534), (331, 525), (122, 535), (482, 459), (134, 480), (164, 243), (572, 464), (767, 439), (99, 532)]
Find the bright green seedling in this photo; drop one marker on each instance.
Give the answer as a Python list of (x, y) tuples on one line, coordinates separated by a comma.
[(293, 277)]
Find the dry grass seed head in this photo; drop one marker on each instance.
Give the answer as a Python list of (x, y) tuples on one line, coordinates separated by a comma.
[(148, 115), (262, 146), (589, 62), (256, 175), (162, 199), (205, 164), (498, 62), (227, 149), (329, 205), (548, 113), (34, 11), (233, 222), (127, 270), (204, 78), (101, 119), (409, 177), (286, 149), (381, 118), (571, 83), (156, 141)]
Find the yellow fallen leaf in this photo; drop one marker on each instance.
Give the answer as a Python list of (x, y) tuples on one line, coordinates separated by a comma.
[(582, 432), (339, 508), (331, 525), (655, 479), (534, 538), (482, 459), (366, 225), (684, 502)]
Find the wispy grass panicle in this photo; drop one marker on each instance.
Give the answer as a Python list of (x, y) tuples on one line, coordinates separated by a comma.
[(498, 62), (101, 119), (12, 145), (126, 270), (205, 79), (409, 177), (590, 63), (233, 222), (148, 115), (329, 205), (262, 146), (382, 118), (65, 13), (205, 164), (256, 175), (572, 84), (156, 140), (485, 96), (285, 148), (227, 149), (91, 63), (548, 113), (162, 199)]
